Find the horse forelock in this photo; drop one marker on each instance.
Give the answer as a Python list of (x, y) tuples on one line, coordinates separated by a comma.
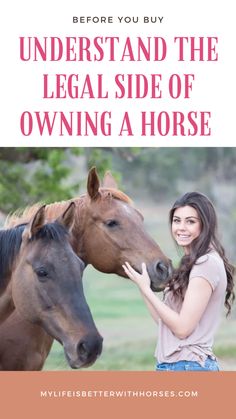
[(51, 231)]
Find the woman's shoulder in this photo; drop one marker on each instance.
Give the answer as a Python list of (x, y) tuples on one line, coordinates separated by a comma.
[(211, 257), (209, 266)]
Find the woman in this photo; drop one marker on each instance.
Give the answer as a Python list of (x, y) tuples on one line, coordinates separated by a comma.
[(189, 314)]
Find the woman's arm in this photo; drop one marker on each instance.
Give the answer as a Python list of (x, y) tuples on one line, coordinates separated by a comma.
[(195, 302)]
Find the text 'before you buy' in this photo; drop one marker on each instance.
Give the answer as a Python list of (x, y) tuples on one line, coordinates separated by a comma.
[(118, 19)]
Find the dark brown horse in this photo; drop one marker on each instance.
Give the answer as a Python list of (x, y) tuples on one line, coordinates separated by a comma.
[(46, 287), (108, 231)]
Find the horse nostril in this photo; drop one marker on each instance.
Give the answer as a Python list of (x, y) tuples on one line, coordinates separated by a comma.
[(82, 351), (161, 268), (89, 348)]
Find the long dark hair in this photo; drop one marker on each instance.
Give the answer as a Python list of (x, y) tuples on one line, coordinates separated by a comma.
[(201, 246)]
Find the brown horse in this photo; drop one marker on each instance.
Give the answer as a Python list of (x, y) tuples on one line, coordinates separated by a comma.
[(46, 287), (108, 231)]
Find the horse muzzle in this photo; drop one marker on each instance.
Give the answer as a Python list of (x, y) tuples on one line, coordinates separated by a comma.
[(85, 352), (160, 273)]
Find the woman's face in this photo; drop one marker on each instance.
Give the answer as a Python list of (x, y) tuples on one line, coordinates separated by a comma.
[(186, 226)]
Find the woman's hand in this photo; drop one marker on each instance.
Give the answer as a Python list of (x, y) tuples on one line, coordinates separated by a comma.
[(142, 280)]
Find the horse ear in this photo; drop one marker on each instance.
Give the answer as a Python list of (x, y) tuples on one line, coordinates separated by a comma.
[(93, 184), (109, 181), (35, 224), (68, 217)]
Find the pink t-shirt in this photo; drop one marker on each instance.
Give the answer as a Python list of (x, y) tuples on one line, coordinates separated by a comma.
[(198, 345)]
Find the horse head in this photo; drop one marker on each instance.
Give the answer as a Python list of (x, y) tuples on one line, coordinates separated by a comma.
[(47, 287), (112, 232)]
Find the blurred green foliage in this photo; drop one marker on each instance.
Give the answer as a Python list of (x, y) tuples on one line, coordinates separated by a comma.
[(44, 174), (29, 175), (159, 172)]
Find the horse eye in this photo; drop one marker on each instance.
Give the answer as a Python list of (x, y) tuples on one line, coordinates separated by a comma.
[(42, 273), (111, 223)]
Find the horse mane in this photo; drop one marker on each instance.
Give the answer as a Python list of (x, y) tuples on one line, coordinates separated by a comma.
[(56, 209), (116, 193), (23, 216), (20, 216), (10, 242)]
